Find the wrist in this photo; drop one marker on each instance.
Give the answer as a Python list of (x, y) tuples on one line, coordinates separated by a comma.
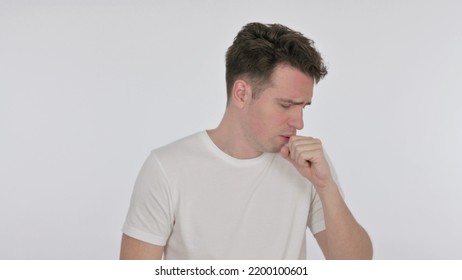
[(328, 190)]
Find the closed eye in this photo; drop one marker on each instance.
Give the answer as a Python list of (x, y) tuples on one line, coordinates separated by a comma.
[(287, 106), (287, 103)]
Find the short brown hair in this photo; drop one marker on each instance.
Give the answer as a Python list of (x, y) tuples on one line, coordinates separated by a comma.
[(258, 48)]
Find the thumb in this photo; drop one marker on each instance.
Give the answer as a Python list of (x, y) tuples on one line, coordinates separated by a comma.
[(285, 153)]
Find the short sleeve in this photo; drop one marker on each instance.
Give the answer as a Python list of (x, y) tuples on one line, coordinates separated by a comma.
[(150, 216), (316, 221), (316, 216)]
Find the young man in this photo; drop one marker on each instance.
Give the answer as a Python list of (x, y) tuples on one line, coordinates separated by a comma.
[(249, 188)]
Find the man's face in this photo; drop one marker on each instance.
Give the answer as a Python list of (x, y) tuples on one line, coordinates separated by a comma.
[(277, 113)]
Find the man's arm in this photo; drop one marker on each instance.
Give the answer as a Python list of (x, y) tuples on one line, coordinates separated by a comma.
[(134, 249), (343, 238)]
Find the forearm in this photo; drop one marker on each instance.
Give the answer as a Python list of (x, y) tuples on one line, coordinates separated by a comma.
[(343, 238), (346, 239)]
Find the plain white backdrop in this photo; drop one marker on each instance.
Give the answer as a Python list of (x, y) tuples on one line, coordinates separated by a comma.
[(88, 88)]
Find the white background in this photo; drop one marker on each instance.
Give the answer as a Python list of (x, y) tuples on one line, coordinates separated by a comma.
[(88, 88)]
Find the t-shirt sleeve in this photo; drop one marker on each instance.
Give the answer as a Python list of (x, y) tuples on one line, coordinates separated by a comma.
[(316, 221), (150, 216), (316, 216)]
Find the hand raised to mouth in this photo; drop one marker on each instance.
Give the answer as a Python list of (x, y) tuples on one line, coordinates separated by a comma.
[(307, 155)]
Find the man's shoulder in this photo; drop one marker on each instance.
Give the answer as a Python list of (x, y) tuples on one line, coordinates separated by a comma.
[(180, 147)]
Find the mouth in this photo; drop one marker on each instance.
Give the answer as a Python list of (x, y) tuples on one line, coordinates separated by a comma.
[(285, 138)]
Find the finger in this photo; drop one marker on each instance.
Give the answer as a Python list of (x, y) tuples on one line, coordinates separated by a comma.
[(295, 141), (305, 152), (305, 158)]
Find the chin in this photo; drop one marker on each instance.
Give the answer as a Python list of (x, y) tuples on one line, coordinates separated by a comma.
[(273, 146), (275, 149)]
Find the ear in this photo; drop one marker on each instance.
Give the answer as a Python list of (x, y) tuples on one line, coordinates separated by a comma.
[(242, 92)]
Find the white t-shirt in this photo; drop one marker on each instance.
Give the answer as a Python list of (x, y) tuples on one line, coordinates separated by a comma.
[(204, 204)]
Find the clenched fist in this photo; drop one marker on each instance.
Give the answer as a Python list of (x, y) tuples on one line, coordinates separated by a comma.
[(307, 155)]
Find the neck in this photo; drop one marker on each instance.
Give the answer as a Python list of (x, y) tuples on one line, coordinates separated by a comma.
[(229, 138)]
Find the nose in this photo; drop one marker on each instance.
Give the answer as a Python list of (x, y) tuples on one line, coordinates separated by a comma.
[(296, 118)]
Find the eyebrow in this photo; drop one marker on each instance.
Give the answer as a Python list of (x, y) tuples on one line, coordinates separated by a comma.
[(293, 102)]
